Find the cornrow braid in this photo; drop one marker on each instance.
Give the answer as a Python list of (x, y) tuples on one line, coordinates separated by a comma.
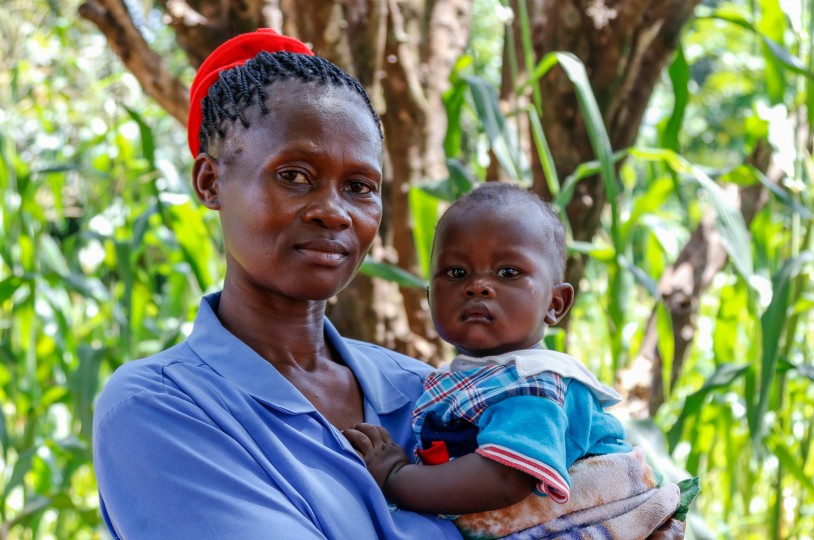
[(236, 88)]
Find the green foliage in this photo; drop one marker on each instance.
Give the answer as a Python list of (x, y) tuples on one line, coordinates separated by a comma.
[(103, 256)]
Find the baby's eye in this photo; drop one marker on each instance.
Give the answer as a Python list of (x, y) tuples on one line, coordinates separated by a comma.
[(293, 176), (507, 272), (456, 273)]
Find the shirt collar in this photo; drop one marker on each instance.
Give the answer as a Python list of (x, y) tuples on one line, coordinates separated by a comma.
[(241, 365)]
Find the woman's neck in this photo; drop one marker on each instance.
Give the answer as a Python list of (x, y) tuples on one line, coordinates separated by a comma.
[(288, 333)]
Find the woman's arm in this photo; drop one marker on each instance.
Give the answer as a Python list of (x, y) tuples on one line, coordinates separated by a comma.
[(468, 484)]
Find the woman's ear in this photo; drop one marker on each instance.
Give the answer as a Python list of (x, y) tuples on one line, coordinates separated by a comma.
[(562, 297), (205, 180)]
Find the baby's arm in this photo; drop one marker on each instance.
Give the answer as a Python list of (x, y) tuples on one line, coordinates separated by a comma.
[(470, 483)]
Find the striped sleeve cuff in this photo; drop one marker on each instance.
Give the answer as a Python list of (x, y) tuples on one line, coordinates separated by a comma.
[(551, 482)]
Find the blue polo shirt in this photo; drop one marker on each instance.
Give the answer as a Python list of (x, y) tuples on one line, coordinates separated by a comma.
[(208, 440)]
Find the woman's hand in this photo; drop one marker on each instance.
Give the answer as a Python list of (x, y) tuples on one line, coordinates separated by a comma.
[(382, 456), (672, 529)]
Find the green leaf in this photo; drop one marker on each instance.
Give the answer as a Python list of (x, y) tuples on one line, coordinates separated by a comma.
[(641, 277), (9, 286), (450, 189), (597, 134), (544, 153), (602, 253), (789, 461), (502, 136), (728, 219), (147, 138), (84, 383), (658, 192), (392, 273), (723, 376), (666, 346), (21, 467), (745, 173), (193, 237), (784, 57), (773, 323), (4, 438), (582, 171), (454, 100), (424, 213), (679, 72)]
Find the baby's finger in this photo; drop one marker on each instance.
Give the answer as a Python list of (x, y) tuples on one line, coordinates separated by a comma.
[(360, 442), (376, 434)]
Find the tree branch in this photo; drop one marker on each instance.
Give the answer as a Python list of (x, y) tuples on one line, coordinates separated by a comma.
[(114, 21)]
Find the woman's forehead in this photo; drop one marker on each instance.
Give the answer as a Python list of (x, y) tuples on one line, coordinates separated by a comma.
[(298, 107)]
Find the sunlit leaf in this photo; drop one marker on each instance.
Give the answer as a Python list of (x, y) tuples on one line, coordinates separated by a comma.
[(666, 346), (424, 210), (501, 135), (388, 272), (679, 72), (773, 323), (723, 376)]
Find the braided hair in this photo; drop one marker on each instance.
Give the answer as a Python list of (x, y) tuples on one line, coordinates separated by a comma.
[(236, 88)]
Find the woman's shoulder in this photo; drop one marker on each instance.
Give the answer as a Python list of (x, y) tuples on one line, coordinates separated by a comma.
[(141, 377)]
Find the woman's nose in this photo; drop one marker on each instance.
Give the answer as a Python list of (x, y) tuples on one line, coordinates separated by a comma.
[(327, 208), (479, 287)]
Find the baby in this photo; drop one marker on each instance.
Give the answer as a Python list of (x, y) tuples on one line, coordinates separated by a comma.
[(508, 418)]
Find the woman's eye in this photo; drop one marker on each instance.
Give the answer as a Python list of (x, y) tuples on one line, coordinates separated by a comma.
[(455, 273), (361, 188), (293, 176), (507, 273)]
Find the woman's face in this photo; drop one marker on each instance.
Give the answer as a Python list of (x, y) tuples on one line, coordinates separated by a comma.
[(299, 191)]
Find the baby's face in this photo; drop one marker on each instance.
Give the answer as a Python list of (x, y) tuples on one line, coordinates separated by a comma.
[(491, 281)]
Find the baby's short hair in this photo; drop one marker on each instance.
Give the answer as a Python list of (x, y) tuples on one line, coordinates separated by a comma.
[(490, 195)]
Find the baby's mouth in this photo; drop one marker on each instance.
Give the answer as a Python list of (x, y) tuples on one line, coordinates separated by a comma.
[(477, 313)]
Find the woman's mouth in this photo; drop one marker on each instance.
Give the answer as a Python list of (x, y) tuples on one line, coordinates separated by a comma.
[(323, 251)]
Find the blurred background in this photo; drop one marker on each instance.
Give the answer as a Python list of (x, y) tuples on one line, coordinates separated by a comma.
[(674, 136)]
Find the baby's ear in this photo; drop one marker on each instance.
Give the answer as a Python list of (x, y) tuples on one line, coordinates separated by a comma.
[(205, 180), (562, 297)]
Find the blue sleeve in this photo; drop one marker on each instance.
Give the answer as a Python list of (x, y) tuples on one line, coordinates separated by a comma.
[(543, 438), (165, 470), (528, 433)]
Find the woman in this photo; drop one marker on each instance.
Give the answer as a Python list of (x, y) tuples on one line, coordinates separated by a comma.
[(236, 432)]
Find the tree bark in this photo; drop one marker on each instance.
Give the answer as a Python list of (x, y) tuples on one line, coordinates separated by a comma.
[(114, 21)]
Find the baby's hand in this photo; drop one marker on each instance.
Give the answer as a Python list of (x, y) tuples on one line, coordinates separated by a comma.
[(382, 456)]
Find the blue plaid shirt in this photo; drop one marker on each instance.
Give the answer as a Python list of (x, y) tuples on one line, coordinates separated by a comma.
[(538, 424)]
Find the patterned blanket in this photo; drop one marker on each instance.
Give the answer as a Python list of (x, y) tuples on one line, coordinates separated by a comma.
[(613, 497)]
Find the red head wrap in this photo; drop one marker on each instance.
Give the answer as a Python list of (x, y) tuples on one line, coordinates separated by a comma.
[(235, 52)]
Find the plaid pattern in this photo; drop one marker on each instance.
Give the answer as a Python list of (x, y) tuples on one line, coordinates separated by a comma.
[(466, 394)]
